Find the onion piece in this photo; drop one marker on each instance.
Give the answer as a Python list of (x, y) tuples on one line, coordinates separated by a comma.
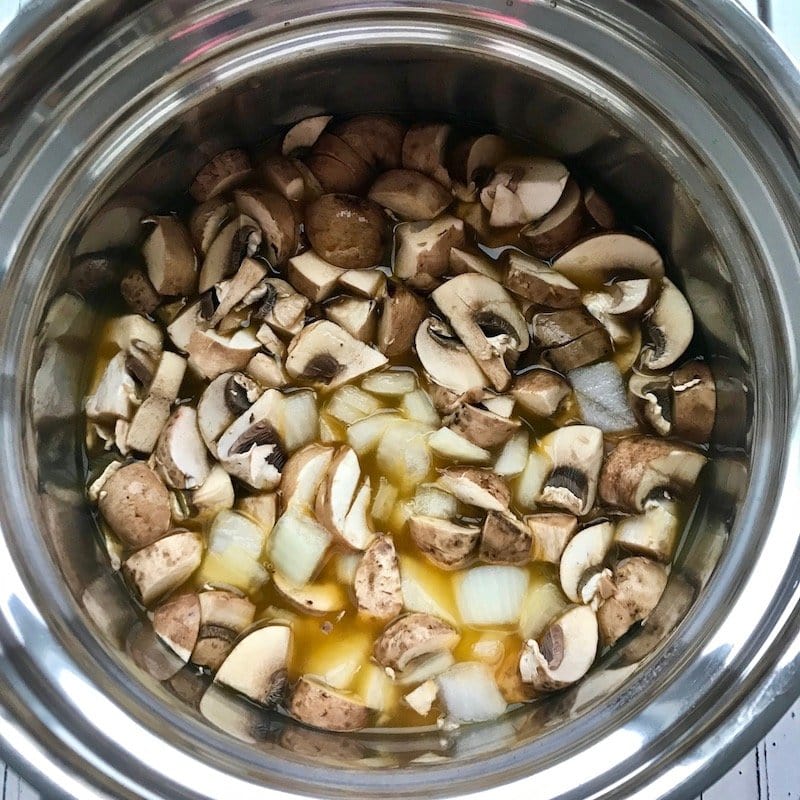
[(450, 445), (346, 566), (301, 419), (543, 602), (233, 568), (338, 661), (233, 529), (377, 689), (491, 595), (393, 383), (425, 668), (363, 436), (469, 693), (418, 406), (531, 481), (297, 545), (431, 501), (384, 501), (602, 397), (350, 404), (403, 454), (426, 591), (513, 457)]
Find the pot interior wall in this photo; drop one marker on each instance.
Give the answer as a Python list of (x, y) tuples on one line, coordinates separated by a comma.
[(483, 93)]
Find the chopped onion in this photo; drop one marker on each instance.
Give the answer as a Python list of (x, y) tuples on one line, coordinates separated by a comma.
[(346, 566), (301, 419), (490, 651), (403, 454), (350, 404), (392, 383), (297, 546), (376, 689), (542, 603), (384, 502), (426, 591), (431, 501), (338, 661), (423, 697), (425, 668), (419, 407), (331, 430), (602, 398), (530, 483), (363, 436), (233, 529), (492, 595), (400, 514), (450, 445), (233, 568), (469, 693), (514, 456)]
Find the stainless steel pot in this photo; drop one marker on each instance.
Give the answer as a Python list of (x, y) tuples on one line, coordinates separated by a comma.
[(685, 110)]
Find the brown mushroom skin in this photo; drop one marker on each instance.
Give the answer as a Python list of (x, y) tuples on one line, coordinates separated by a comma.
[(570, 338), (135, 503), (444, 543), (409, 194), (639, 584), (481, 426), (402, 313), (694, 401), (338, 167), (540, 392), (138, 292), (376, 138), (412, 636), (505, 540), (551, 533), (223, 172), (92, 273), (561, 226), (177, 622), (322, 707), (377, 581), (347, 231)]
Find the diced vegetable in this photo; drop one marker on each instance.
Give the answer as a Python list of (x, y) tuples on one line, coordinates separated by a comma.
[(423, 697), (448, 444), (350, 404), (425, 668), (514, 456), (403, 454), (384, 502), (392, 383), (491, 595), (233, 529), (469, 693), (426, 591), (430, 501), (417, 405), (363, 436), (233, 567), (301, 419), (543, 602), (531, 481), (377, 689), (346, 565), (297, 545), (338, 661)]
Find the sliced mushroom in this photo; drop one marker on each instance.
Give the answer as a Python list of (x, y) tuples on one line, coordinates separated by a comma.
[(115, 226), (412, 636), (523, 190), (319, 705), (214, 413), (313, 188), (641, 466), (653, 534), (177, 623), (115, 396), (211, 354), (598, 208), (540, 392), (378, 139), (347, 231), (316, 599), (223, 616), (576, 454), (565, 652), (487, 321), (138, 292), (551, 533), (649, 396), (231, 292), (275, 217), (462, 261), (570, 338), (206, 220), (505, 540), (268, 371), (135, 503), (445, 358), (256, 667), (337, 493), (146, 425), (668, 329), (222, 173), (409, 194), (338, 167), (313, 276), (476, 487), (355, 315), (282, 175), (422, 250), (237, 240), (377, 581), (694, 401), (584, 553), (170, 257), (326, 355), (163, 565), (214, 495), (473, 160), (561, 226), (482, 426), (303, 474), (304, 134), (368, 283), (281, 307), (424, 149), (185, 323), (639, 585), (180, 454), (538, 282), (358, 531), (602, 256), (446, 544)]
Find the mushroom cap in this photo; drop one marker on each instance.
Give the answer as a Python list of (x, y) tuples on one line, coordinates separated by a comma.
[(313, 276), (482, 426), (337, 491), (276, 219), (377, 581), (445, 359), (402, 313), (540, 391), (206, 220), (551, 532), (422, 250), (211, 354), (177, 624), (538, 282), (424, 148), (585, 551), (669, 328), (170, 257), (239, 237), (654, 533), (446, 544), (316, 599), (377, 138), (505, 540), (214, 414), (302, 475), (135, 502), (410, 194), (476, 487), (337, 167), (561, 226), (694, 401), (412, 636), (180, 453), (226, 170), (321, 706), (304, 134)]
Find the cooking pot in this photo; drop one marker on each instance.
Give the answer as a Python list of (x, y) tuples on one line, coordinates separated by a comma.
[(684, 111)]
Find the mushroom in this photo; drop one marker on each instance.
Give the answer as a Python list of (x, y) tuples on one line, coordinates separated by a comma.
[(409, 194), (669, 328), (482, 426), (211, 354), (570, 338), (602, 256), (115, 396), (694, 401), (377, 581), (358, 531), (551, 532), (231, 292), (473, 160), (412, 636), (598, 209), (223, 172), (115, 226), (223, 616), (368, 283), (135, 503), (539, 282), (402, 313), (445, 358), (281, 307), (214, 413), (654, 533), (180, 454), (137, 291), (256, 667), (315, 599), (263, 508), (450, 445), (446, 544), (565, 652), (328, 356), (355, 315), (576, 454), (422, 250), (476, 487), (281, 175), (561, 226), (184, 324), (639, 585), (267, 370), (146, 425), (304, 134), (424, 148), (640, 466), (312, 187), (170, 258), (377, 138), (303, 474), (338, 167), (238, 239), (163, 565), (462, 261), (347, 231), (337, 494), (275, 217), (206, 220), (214, 495), (486, 320), (523, 189), (177, 623), (505, 540), (584, 553), (313, 276), (319, 705), (649, 396), (540, 392)]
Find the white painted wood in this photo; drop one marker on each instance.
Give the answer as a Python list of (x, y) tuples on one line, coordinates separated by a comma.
[(741, 783)]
